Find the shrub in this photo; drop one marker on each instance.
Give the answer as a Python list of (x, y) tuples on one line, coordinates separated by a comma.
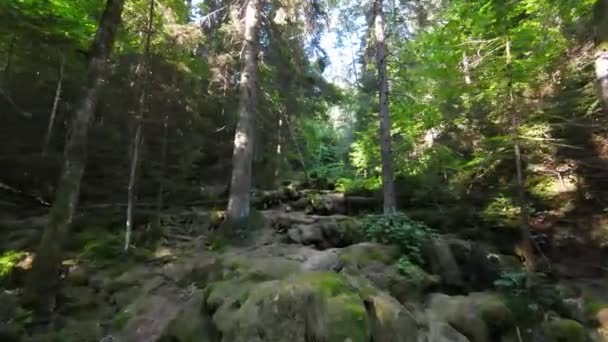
[(397, 229)]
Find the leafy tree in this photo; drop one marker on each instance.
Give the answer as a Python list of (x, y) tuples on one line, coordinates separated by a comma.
[(43, 279)]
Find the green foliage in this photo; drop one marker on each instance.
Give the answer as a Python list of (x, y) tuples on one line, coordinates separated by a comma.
[(502, 210), (103, 248), (397, 229), (411, 270), (356, 186), (528, 300), (8, 260), (119, 321), (512, 282)]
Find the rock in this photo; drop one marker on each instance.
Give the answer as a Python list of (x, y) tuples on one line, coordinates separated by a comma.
[(602, 318), (481, 317), (307, 306), (300, 204), (565, 330), (311, 235), (443, 332), (153, 316), (10, 302), (443, 262), (191, 324), (77, 275), (466, 265), (366, 253), (390, 321), (376, 263), (493, 311), (326, 260), (325, 233), (460, 314), (79, 299), (295, 309)]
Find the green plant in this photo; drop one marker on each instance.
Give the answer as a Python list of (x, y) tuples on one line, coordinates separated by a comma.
[(512, 282), (103, 248), (397, 229), (8, 260)]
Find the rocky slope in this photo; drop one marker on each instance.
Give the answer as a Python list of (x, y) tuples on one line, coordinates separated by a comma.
[(304, 277)]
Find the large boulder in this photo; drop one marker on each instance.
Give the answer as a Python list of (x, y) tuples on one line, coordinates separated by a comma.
[(564, 330), (390, 321), (151, 317), (316, 306), (443, 332), (467, 265), (312, 303), (480, 317), (378, 264), (324, 232)]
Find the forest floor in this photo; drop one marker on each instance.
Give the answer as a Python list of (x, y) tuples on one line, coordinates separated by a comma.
[(299, 277)]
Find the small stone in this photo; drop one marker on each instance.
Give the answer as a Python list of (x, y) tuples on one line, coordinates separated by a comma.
[(602, 318)]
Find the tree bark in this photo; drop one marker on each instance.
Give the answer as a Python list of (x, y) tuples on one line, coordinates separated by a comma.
[(137, 139), (132, 184), (43, 279), (388, 185), (57, 99), (163, 166), (9, 62), (526, 244), (601, 54), (237, 214)]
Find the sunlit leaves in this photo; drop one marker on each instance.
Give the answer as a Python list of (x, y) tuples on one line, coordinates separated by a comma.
[(58, 21)]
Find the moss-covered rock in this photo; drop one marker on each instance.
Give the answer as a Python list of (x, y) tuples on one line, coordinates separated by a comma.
[(275, 310), (323, 306), (367, 253), (468, 265), (565, 330), (390, 321), (481, 317), (190, 325), (379, 264), (494, 312)]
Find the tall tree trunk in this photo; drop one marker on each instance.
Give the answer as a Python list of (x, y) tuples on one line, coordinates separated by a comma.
[(57, 99), (601, 54), (525, 247), (388, 185), (278, 157), (43, 280), (163, 166), (9, 62), (137, 139), (237, 214), (132, 184)]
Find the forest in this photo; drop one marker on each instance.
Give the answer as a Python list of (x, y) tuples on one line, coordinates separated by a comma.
[(304, 170)]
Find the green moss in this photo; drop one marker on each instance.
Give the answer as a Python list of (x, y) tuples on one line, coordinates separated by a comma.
[(362, 255), (222, 291), (8, 261), (328, 284), (119, 321), (565, 330), (502, 210), (495, 313), (102, 248), (349, 232), (592, 306), (348, 319), (258, 269)]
